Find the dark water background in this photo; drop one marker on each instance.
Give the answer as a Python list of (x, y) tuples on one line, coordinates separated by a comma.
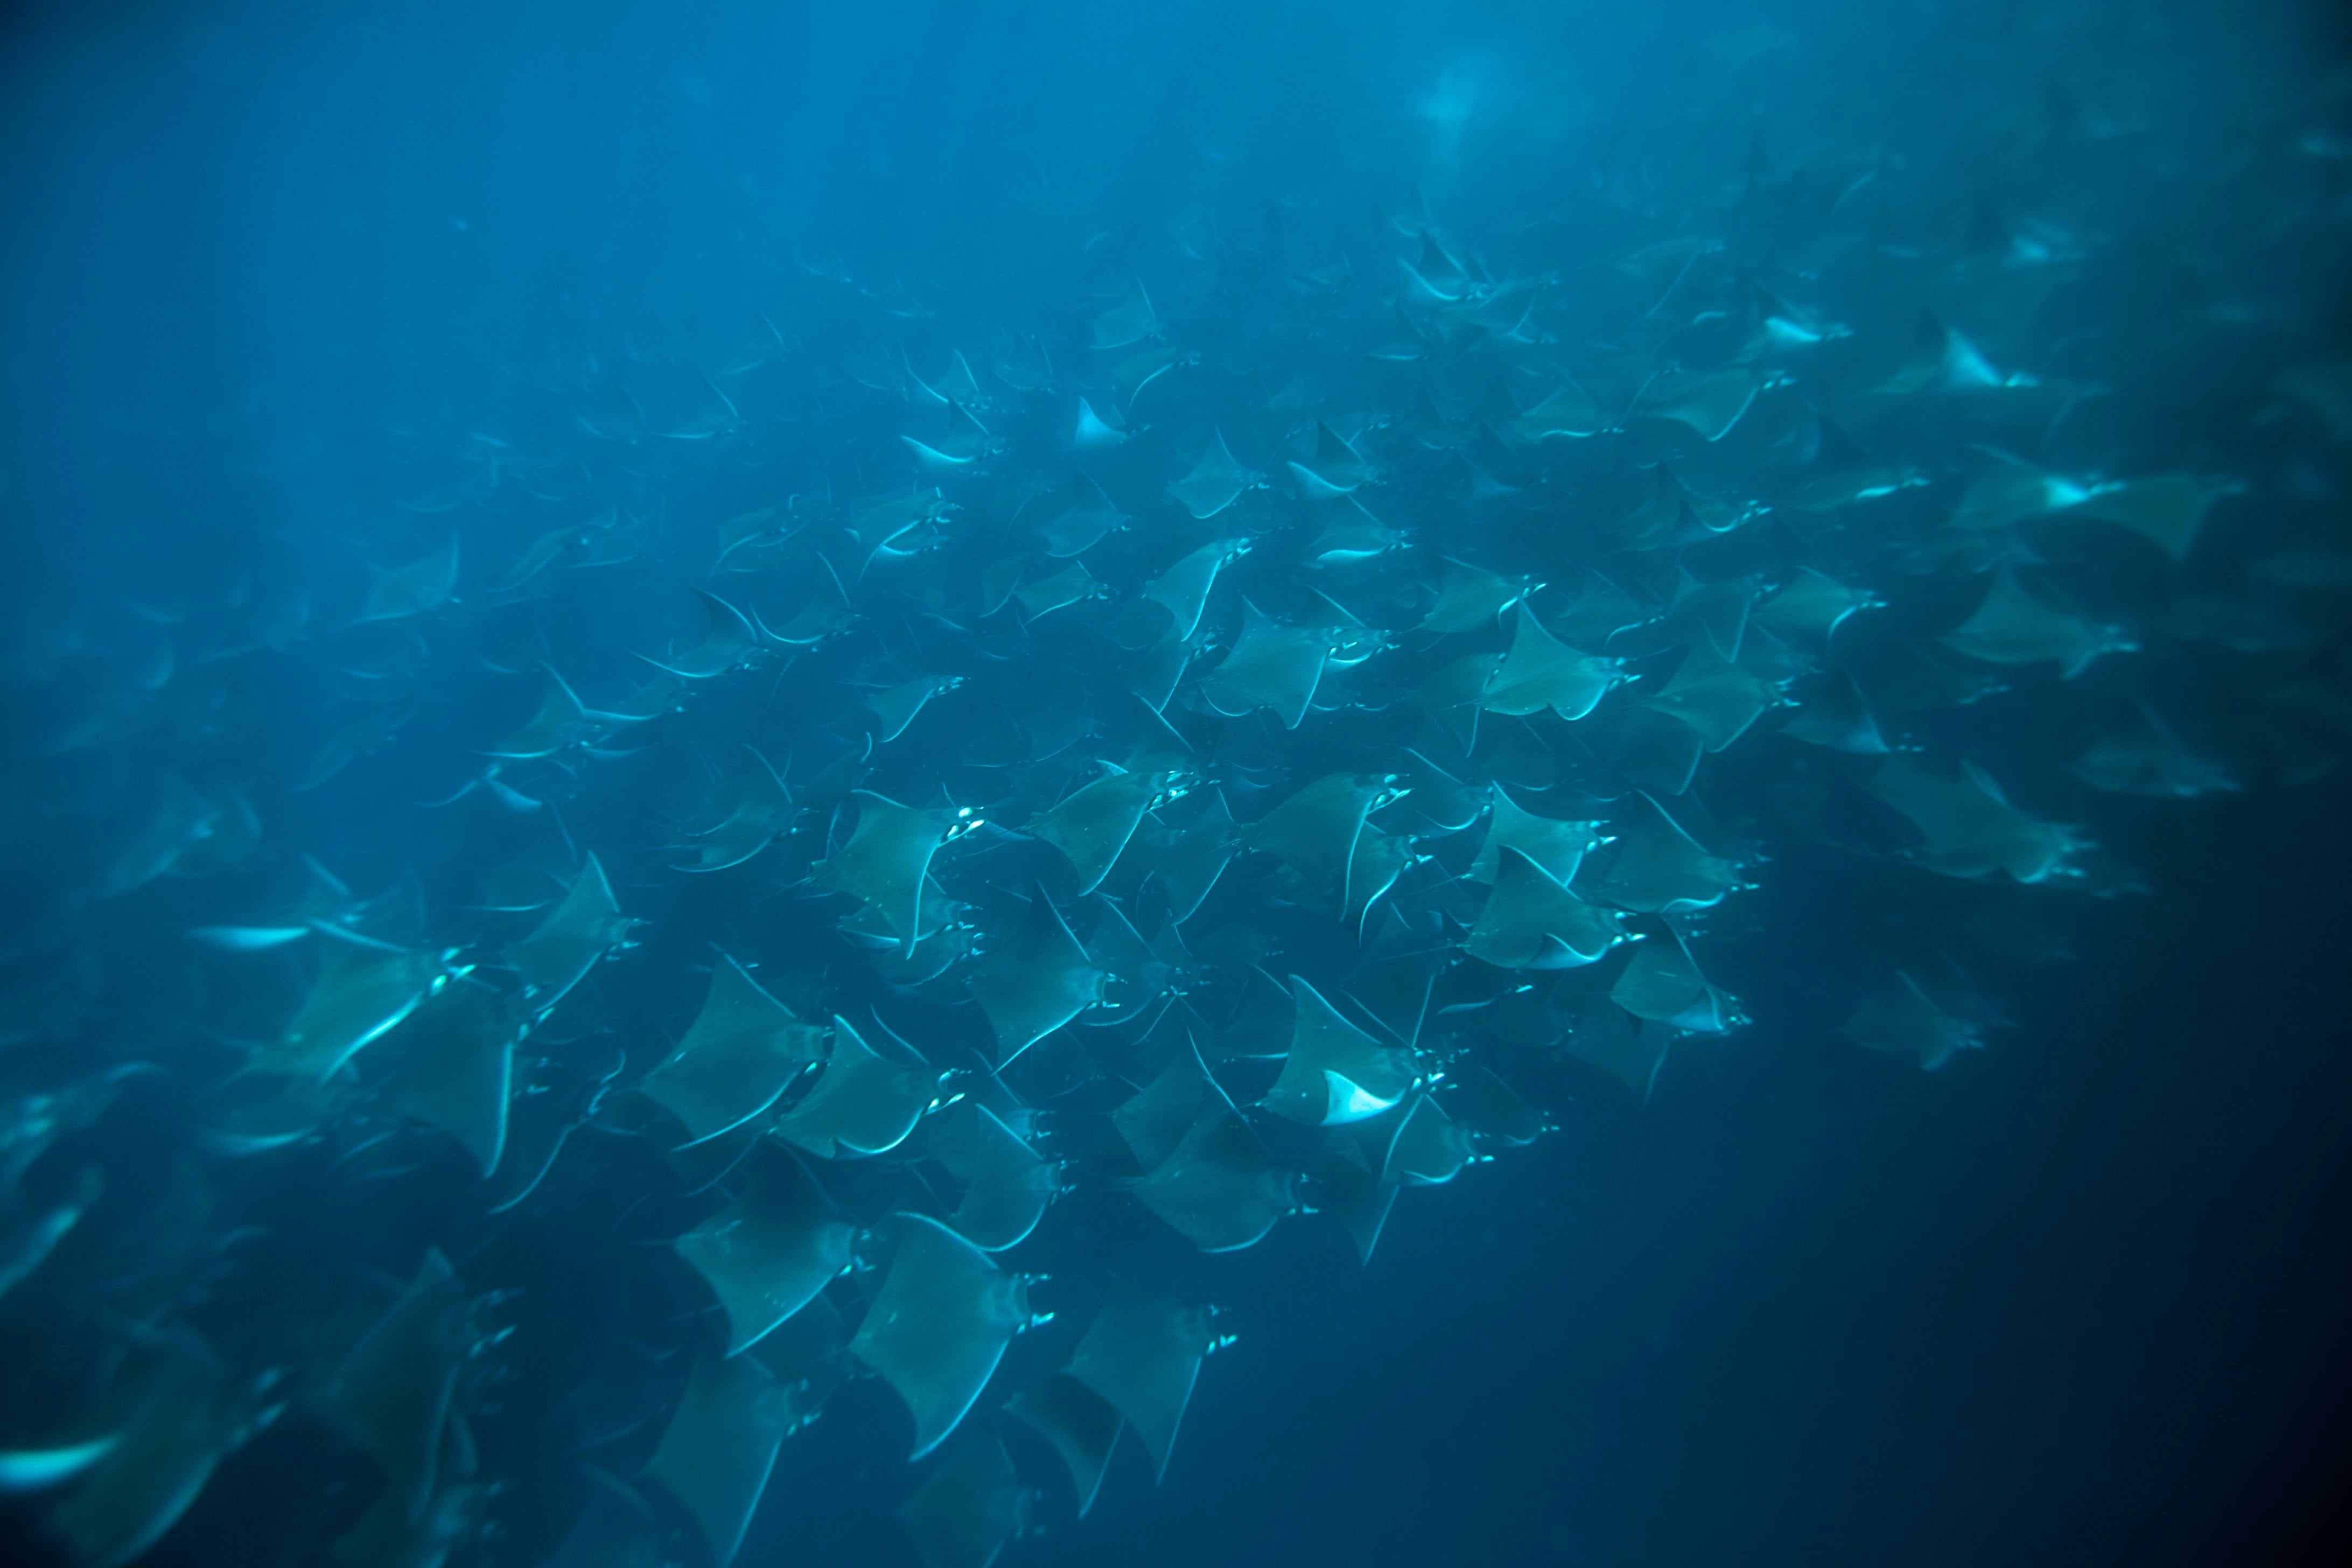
[(2080, 1297)]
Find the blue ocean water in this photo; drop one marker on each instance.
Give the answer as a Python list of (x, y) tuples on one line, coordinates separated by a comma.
[(1701, 650)]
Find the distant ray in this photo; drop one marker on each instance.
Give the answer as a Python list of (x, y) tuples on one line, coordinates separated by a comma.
[(559, 724), (762, 812), (1009, 1189), (1172, 602), (1708, 404), (1082, 1427), (1032, 981), (1568, 413), (575, 935), (1718, 611), (1471, 599), (769, 1252), (1657, 869), (1354, 535), (1627, 1049), (1215, 481), (1393, 978), (1154, 1120), (1064, 588), (1430, 1148), (1812, 605), (715, 1454), (1532, 921), (1601, 611), (538, 876), (1333, 468), (1126, 323), (1218, 1188), (2013, 627), (541, 1121), (1899, 1019), (456, 1066), (1094, 433), (1142, 1355), (1837, 718), (1539, 672), (361, 992), (1663, 984), (1559, 846), (862, 1104), (394, 1392), (1452, 694), (1273, 666), (939, 1325), (1347, 1190), (1189, 871), (968, 1509), (883, 864), (1714, 697), (894, 708), (730, 643), (1083, 523), (1094, 822), (1314, 832), (1970, 827), (743, 1049), (1335, 1072), (415, 588), (616, 1528)]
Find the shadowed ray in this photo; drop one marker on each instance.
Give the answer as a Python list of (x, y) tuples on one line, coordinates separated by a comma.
[(1190, 867), (1215, 482), (1658, 869), (1675, 514), (1899, 1019), (1314, 832), (1532, 921), (618, 1527), (1627, 1049), (1452, 694), (1009, 1190), (1273, 666), (2006, 491), (772, 1248), (1602, 610), (2149, 759), (398, 1388), (743, 1049), (1471, 598), (1568, 413), (538, 876), (569, 942), (1172, 602), (1393, 978), (1125, 324), (1708, 405), (1559, 846), (1354, 535), (720, 1446), (896, 707), (192, 1413), (939, 1325), (1811, 606), (541, 1120), (2166, 509), (968, 1509), (1218, 1188), (1081, 525), (456, 1066), (731, 643), (862, 1104), (1142, 1354), (559, 724), (1094, 822), (762, 812), (415, 588), (1154, 1120), (1836, 718), (1334, 469), (1335, 1072), (2013, 627), (1377, 862), (883, 864), (1970, 828), (1041, 597), (1035, 981), (362, 991), (1539, 672), (1081, 1426), (1714, 696), (1718, 610), (1429, 1148), (1663, 984)]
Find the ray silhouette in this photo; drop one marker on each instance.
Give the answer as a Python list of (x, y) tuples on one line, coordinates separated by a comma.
[(538, 876), (616, 1528), (1068, 586), (1354, 535), (1568, 413), (1219, 1189), (773, 1247), (1126, 323), (2012, 625), (762, 811), (1901, 1020), (541, 1120), (1082, 524), (970, 1509), (729, 643), (417, 587), (1154, 1120), (720, 1445), (1539, 672), (863, 1103), (1663, 984), (394, 1391), (1631, 1050), (1333, 468), (1452, 694), (1172, 602), (1600, 612), (1812, 605), (1215, 481), (1335, 1072), (1532, 921), (1034, 981), (1559, 846), (1718, 611), (1656, 868), (569, 941), (1429, 1148), (939, 1325), (1141, 1355), (559, 724), (1714, 697), (741, 1052), (1094, 822), (1273, 666), (1970, 828), (1471, 598), (1314, 832), (1838, 719), (362, 991), (1393, 978), (1190, 867), (1009, 1189), (1707, 405), (1080, 1425), (456, 1066), (884, 863), (896, 707), (1374, 867)]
